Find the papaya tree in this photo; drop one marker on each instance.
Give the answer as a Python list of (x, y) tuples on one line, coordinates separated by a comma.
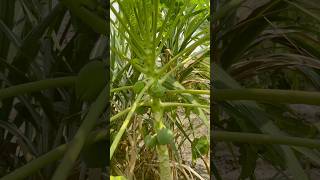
[(160, 68)]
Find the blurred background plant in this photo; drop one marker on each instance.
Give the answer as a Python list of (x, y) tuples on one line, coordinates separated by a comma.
[(269, 44), (42, 40)]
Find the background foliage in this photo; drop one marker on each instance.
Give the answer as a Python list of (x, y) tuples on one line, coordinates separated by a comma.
[(266, 45), (41, 40)]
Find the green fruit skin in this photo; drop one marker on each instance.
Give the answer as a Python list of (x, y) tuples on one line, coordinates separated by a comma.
[(164, 136), (150, 141), (157, 90), (91, 79)]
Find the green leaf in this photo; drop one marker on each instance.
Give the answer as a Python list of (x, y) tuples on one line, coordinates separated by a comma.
[(243, 36), (10, 35), (256, 115), (91, 80), (200, 147), (248, 158)]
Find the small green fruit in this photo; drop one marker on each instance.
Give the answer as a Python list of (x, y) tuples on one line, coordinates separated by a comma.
[(91, 79), (150, 141), (157, 90), (138, 86), (164, 136)]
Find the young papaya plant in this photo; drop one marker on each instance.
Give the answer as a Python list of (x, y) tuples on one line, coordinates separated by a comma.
[(160, 87)]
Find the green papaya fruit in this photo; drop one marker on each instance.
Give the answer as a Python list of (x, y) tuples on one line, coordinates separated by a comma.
[(91, 79), (138, 86), (150, 141), (157, 90), (164, 136)]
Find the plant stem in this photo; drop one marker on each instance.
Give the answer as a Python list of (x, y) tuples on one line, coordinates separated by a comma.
[(121, 88), (162, 150), (190, 91), (268, 95), (78, 141), (139, 68), (36, 86), (169, 104), (164, 162), (119, 114), (253, 138), (125, 111), (36, 164)]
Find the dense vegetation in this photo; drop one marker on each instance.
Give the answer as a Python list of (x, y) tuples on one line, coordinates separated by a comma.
[(54, 73), (44, 104), (160, 68), (54, 70), (266, 52)]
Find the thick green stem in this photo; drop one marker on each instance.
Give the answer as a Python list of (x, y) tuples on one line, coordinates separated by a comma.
[(164, 162), (162, 150), (36, 164), (189, 91), (170, 104), (78, 141), (268, 95), (36, 86), (253, 138), (139, 68)]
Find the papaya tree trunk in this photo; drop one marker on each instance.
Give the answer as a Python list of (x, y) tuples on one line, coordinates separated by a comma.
[(162, 150), (164, 162)]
